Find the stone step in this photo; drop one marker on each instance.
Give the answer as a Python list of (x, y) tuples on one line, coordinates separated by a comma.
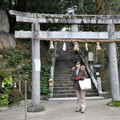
[(63, 88), (62, 73), (65, 78), (60, 82), (62, 77), (68, 62), (63, 85), (67, 67), (72, 91), (74, 95), (64, 70), (65, 81), (71, 88)]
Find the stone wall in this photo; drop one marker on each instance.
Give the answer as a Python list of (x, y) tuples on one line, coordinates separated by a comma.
[(7, 41)]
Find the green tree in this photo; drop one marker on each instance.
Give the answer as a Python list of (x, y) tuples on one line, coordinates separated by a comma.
[(115, 7)]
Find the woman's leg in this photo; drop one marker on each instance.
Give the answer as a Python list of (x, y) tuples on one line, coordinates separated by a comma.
[(82, 100), (78, 100)]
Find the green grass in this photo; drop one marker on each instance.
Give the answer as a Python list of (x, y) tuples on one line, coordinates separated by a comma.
[(114, 104)]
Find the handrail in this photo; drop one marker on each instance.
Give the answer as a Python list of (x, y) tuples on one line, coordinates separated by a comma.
[(96, 81), (89, 70)]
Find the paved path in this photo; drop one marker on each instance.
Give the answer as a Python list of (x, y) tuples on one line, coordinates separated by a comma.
[(65, 110)]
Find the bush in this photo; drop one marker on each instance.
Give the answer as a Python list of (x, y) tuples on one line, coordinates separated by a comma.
[(45, 75), (15, 96), (3, 100), (45, 90), (8, 84)]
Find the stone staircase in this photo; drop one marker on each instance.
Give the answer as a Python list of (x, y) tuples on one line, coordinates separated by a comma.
[(63, 86)]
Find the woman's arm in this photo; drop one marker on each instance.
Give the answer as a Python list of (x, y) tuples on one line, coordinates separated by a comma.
[(73, 68), (85, 74)]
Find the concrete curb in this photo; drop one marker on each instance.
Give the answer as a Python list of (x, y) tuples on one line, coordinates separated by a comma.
[(75, 98)]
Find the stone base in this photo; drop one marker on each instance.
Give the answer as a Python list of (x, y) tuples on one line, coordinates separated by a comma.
[(4, 108), (35, 109)]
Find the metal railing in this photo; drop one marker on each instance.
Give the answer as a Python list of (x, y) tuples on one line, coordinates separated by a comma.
[(96, 80)]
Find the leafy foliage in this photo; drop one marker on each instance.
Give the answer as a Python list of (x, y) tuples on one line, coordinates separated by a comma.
[(15, 96), (45, 76), (3, 99), (60, 6), (8, 84), (115, 7), (13, 58)]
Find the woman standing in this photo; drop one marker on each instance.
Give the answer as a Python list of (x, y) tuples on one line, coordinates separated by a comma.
[(79, 74)]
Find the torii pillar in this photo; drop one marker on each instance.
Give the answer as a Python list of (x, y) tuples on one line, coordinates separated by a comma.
[(114, 76), (36, 69)]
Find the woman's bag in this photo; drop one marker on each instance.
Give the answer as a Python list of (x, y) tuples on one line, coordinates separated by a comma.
[(85, 84)]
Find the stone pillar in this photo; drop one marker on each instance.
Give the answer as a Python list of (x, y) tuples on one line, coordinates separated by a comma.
[(99, 85), (36, 68), (114, 77), (4, 22), (74, 27)]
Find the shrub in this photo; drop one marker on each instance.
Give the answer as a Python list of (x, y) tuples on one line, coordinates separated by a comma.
[(15, 96), (8, 84), (45, 75), (3, 100), (45, 90)]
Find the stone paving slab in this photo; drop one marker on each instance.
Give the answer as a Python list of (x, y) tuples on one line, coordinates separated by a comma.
[(65, 110)]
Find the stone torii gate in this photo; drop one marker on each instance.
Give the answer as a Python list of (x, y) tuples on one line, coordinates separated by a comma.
[(110, 36)]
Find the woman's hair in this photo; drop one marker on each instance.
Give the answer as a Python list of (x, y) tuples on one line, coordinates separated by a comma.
[(82, 66), (77, 62)]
